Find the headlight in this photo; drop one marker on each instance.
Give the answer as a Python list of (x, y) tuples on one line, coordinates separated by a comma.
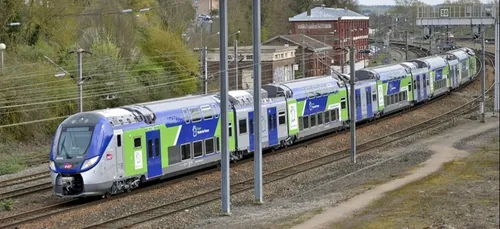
[(89, 162), (52, 165)]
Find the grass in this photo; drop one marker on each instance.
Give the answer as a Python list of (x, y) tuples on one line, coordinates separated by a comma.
[(10, 164), (462, 194), (6, 204)]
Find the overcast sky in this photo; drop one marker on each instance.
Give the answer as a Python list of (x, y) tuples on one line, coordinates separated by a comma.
[(391, 2)]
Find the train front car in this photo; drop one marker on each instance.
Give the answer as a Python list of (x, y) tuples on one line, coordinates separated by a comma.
[(76, 162)]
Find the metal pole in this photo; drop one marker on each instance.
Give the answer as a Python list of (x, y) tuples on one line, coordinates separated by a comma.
[(236, 62), (2, 61), (497, 62), (303, 57), (224, 107), (342, 56), (352, 107), (483, 83), (406, 44), (256, 101), (79, 54), (205, 71)]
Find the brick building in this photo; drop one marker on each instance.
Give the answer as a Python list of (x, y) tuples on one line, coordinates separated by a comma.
[(331, 26), (277, 65), (314, 53)]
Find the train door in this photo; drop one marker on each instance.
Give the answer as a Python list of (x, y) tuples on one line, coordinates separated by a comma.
[(118, 152), (272, 125), (417, 88), (369, 111), (153, 151), (251, 133), (359, 114), (242, 131), (425, 82)]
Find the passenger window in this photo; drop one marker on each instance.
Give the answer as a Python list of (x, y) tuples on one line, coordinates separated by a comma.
[(195, 114), (409, 87), (230, 129), (119, 140), (320, 119), (374, 97), (150, 148), (186, 115), (327, 116), (137, 142), (269, 122), (243, 126), (342, 103), (157, 147), (207, 112), (198, 148), (305, 120), (186, 151), (313, 120), (217, 143), (215, 111), (209, 146), (281, 119), (301, 124)]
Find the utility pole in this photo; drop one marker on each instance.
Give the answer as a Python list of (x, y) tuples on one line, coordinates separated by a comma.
[(352, 106), (342, 56), (257, 102), (236, 62), (303, 56), (406, 44), (497, 60), (79, 68), (483, 79), (224, 109), (2, 47), (205, 70)]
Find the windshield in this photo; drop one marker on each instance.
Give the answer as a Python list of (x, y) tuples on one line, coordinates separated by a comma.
[(74, 141)]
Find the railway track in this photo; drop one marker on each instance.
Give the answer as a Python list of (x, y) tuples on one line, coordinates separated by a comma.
[(213, 195), (207, 197)]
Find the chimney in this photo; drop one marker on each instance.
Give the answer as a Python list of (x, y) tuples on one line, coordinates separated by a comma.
[(308, 12)]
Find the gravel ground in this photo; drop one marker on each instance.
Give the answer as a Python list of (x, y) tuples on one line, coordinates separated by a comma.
[(141, 200)]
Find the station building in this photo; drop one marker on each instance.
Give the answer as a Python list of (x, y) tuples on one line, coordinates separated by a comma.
[(331, 26)]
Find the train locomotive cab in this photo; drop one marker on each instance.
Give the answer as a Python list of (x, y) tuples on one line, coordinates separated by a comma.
[(77, 164)]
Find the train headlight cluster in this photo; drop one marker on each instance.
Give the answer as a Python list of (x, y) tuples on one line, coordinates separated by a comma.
[(52, 166), (89, 162)]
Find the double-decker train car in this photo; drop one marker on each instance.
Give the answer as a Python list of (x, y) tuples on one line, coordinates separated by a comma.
[(105, 152)]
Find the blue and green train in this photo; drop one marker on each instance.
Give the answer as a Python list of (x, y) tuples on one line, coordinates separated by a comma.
[(105, 152)]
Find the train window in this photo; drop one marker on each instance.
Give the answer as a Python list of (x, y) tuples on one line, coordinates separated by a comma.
[(186, 151), (186, 115), (157, 147), (427, 82), (386, 100), (195, 114), (215, 111), (282, 119), (301, 124), (137, 142), (374, 97), (305, 121), (342, 103), (243, 126), (119, 140), (198, 148), (207, 112), (320, 118), (150, 148), (269, 122), (313, 120), (409, 87), (250, 125), (209, 146), (230, 129), (217, 143), (327, 116), (337, 115)]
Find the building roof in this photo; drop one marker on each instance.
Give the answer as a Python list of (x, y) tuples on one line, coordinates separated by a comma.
[(328, 14), (299, 39), (264, 49)]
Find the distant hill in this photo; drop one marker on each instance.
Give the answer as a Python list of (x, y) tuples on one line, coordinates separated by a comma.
[(378, 9)]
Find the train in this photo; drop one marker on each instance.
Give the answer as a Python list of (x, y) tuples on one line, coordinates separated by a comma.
[(109, 151)]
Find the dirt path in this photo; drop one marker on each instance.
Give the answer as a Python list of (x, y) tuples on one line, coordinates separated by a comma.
[(444, 152)]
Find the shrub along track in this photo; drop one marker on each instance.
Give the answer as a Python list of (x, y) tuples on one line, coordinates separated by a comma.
[(209, 196)]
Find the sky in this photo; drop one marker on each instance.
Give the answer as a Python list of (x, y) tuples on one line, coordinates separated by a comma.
[(391, 2)]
